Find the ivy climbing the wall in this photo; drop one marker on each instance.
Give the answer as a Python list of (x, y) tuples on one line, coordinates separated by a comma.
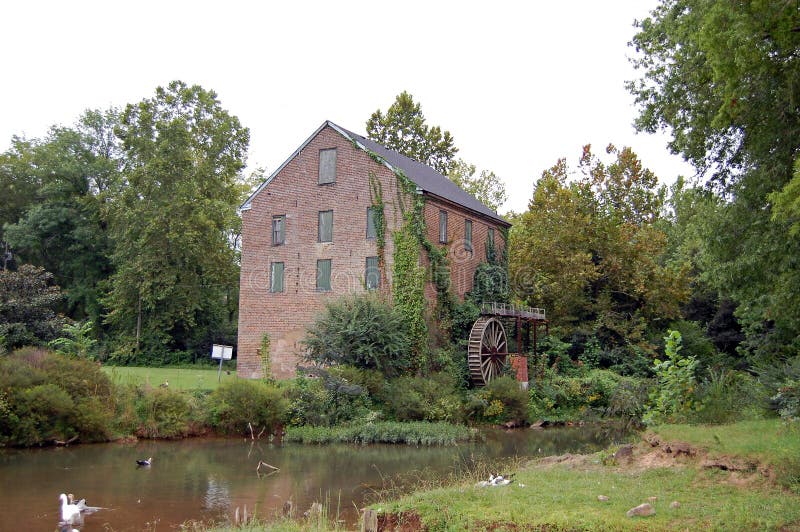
[(266, 359)]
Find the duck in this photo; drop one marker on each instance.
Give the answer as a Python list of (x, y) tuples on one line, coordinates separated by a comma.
[(70, 513), (144, 463), (82, 506)]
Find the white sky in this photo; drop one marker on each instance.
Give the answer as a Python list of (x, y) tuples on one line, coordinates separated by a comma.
[(518, 84)]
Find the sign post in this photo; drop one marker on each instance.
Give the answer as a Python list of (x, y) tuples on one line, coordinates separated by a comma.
[(222, 352)]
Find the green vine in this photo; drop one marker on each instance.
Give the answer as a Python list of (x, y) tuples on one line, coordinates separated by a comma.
[(266, 359), (408, 283), (379, 217)]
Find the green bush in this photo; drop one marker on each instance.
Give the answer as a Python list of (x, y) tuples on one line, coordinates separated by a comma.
[(726, 396), (431, 398), (234, 405), (674, 398), (163, 413), (48, 397), (326, 399), (408, 433), (596, 393), (361, 331)]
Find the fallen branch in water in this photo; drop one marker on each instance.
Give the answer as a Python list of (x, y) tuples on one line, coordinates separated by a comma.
[(262, 463), (60, 443)]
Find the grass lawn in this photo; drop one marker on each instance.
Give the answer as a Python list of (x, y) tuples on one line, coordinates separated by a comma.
[(564, 496), (178, 378)]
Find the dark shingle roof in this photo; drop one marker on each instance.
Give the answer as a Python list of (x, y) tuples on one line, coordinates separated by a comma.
[(425, 177)]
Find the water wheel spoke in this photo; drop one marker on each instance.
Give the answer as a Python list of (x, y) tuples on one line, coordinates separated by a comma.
[(486, 350)]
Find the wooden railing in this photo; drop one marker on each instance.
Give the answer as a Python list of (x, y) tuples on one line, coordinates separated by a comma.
[(508, 309)]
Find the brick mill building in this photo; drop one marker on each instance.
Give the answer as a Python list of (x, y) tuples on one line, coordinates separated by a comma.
[(309, 234)]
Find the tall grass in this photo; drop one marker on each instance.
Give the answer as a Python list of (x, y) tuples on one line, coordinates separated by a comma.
[(408, 433)]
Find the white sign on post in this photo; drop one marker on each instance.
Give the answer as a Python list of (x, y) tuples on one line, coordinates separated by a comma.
[(222, 352)]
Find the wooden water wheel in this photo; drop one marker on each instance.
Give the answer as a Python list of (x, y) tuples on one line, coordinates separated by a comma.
[(487, 351)]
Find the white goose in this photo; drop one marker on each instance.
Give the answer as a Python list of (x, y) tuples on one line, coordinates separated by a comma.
[(70, 513)]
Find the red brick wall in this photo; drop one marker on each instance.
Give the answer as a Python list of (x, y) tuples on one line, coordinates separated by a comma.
[(462, 261), (294, 192)]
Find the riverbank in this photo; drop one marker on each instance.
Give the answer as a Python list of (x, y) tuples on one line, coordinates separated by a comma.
[(732, 477)]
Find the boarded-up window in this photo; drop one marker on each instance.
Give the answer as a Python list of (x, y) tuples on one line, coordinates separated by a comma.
[(276, 277), (325, 231), (278, 230), (327, 166), (372, 231), (443, 227), (468, 235), (324, 274), (490, 242), (372, 274)]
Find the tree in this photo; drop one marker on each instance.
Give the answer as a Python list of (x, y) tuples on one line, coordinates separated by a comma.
[(723, 78), (590, 251), (172, 220), (65, 230), (487, 187), (27, 302), (403, 129)]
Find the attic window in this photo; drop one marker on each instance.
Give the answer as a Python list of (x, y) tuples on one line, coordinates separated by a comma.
[(327, 166)]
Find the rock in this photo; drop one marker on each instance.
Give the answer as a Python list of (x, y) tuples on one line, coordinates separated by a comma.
[(643, 510), (678, 448), (626, 451), (674, 504), (652, 499), (538, 424), (602, 498), (314, 511)]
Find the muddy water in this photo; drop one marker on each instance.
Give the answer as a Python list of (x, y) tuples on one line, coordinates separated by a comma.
[(207, 479)]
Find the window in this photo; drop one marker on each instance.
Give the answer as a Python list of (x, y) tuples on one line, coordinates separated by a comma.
[(278, 230), (276, 277), (443, 227), (490, 241), (324, 274), (372, 231), (468, 235), (327, 166), (325, 231), (372, 275)]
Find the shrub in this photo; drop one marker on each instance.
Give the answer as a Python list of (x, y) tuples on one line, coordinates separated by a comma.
[(325, 399), (414, 433), (673, 399), (360, 331), (235, 404), (726, 396), (597, 393), (163, 413), (431, 398), (48, 397)]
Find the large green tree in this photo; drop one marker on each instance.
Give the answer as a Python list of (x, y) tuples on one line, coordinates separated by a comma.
[(486, 186), (175, 266), (64, 231), (28, 300), (403, 129), (724, 79), (590, 251)]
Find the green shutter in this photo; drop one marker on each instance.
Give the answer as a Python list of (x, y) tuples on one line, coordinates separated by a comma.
[(372, 275), (327, 166), (324, 274), (276, 277), (371, 232), (325, 232)]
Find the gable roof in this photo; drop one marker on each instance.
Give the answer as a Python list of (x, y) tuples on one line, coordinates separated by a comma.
[(426, 178)]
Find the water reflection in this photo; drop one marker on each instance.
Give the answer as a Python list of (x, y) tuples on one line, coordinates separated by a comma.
[(206, 479)]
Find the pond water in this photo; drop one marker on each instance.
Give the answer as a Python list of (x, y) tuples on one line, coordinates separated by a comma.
[(207, 479)]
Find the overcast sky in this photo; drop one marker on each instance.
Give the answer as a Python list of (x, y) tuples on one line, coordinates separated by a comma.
[(517, 84)]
